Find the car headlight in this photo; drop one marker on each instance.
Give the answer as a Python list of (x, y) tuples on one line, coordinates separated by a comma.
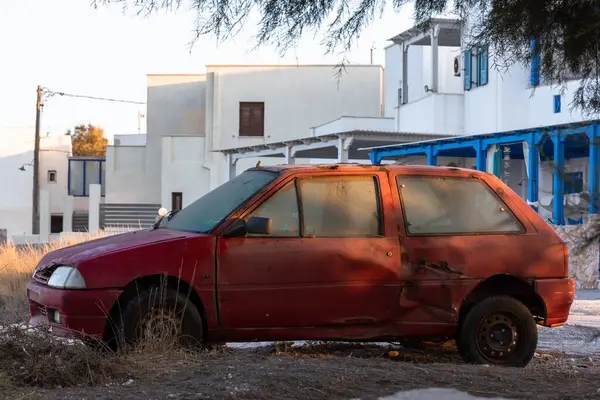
[(66, 278)]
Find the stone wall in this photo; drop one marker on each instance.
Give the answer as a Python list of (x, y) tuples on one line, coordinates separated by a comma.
[(583, 253)]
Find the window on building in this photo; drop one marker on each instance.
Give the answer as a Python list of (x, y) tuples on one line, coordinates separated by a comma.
[(557, 105), (176, 201), (56, 223), (252, 119), (340, 206), (460, 206), (476, 66), (282, 208), (52, 176), (86, 172)]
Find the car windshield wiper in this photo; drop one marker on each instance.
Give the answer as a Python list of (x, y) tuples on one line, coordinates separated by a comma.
[(166, 217)]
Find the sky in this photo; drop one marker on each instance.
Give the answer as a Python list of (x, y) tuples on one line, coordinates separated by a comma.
[(70, 47)]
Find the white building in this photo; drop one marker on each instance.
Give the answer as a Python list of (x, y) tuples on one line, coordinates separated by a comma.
[(191, 117), (202, 129), (438, 84), (60, 175)]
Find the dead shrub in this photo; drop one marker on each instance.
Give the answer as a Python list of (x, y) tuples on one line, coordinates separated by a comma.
[(36, 359)]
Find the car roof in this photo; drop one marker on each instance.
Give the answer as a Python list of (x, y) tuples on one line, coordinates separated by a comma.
[(341, 167)]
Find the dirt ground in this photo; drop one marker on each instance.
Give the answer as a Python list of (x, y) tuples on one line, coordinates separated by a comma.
[(567, 366), (330, 371)]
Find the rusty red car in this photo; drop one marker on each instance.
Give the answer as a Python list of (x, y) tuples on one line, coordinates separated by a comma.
[(324, 252)]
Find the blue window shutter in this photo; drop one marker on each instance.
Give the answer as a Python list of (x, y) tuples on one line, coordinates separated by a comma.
[(483, 65), (467, 70), (535, 64), (556, 103)]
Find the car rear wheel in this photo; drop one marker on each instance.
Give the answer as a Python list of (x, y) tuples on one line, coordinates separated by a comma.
[(160, 316), (499, 330)]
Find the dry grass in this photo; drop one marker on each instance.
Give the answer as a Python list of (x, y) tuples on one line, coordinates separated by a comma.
[(16, 267)]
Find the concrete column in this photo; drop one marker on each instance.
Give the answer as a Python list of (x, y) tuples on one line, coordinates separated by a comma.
[(404, 74), (290, 158), (44, 216), (594, 169), (343, 148), (231, 167), (68, 215), (435, 68), (558, 214), (94, 209)]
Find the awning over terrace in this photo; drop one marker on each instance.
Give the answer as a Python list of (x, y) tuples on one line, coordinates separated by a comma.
[(550, 143), (339, 140)]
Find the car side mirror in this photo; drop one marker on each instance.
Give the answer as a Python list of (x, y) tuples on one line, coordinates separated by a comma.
[(259, 226)]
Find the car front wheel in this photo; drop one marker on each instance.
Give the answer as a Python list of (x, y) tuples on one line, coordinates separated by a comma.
[(161, 315), (499, 330)]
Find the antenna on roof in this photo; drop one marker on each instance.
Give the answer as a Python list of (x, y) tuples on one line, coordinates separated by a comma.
[(372, 51)]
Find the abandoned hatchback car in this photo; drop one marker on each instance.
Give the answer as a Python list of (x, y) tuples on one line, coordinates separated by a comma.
[(336, 252)]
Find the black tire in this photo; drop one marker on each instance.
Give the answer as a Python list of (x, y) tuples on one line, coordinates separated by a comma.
[(484, 334), (174, 307)]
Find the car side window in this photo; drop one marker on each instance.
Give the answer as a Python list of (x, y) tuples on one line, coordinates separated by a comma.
[(442, 205), (340, 206), (282, 208)]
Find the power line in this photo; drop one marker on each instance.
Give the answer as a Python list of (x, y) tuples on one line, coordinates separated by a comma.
[(52, 93)]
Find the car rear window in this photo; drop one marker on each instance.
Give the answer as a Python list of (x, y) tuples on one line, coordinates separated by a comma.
[(443, 205)]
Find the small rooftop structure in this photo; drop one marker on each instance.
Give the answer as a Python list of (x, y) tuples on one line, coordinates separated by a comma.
[(448, 33)]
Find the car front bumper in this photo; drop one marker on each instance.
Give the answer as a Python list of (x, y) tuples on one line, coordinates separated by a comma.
[(83, 313)]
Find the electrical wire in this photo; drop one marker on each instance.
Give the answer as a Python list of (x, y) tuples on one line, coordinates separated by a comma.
[(81, 96)]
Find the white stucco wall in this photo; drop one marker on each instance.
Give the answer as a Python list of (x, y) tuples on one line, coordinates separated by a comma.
[(182, 170), (182, 110), (508, 102), (175, 106), (296, 98), (130, 140), (127, 180), (16, 199), (426, 112), (15, 203), (433, 113), (54, 156)]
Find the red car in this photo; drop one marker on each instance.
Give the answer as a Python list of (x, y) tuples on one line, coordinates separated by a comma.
[(330, 252)]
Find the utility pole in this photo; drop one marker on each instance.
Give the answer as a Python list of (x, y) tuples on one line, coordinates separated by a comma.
[(35, 215)]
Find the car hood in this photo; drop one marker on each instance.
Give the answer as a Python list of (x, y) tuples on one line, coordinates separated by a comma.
[(73, 255)]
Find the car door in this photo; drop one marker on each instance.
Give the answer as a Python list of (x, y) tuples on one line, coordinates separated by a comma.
[(456, 231), (329, 260)]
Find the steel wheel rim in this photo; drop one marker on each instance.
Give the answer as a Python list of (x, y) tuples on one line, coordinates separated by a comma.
[(499, 336)]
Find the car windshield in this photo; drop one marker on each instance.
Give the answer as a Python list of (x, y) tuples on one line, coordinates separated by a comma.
[(209, 210)]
